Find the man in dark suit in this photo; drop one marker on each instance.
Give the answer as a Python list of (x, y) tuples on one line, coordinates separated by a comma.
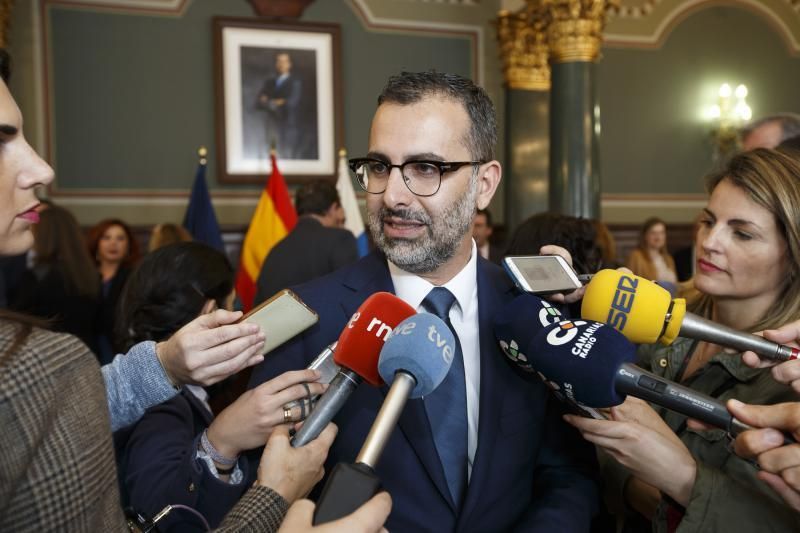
[(501, 459), (481, 231), (316, 246), (280, 96)]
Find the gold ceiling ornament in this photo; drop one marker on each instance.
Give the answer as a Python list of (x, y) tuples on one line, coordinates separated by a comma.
[(575, 32), (6, 6), (522, 36)]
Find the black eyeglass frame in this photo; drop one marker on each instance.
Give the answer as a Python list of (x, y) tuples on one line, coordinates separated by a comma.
[(443, 166)]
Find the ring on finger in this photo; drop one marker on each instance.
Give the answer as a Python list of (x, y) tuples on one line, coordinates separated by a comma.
[(287, 414)]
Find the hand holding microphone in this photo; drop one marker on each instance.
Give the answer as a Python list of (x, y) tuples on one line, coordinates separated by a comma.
[(787, 372), (646, 313), (357, 354), (415, 360)]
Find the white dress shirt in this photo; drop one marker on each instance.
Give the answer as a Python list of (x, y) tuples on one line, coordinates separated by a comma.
[(464, 317)]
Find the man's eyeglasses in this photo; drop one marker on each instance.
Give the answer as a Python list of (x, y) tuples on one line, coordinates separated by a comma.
[(423, 178)]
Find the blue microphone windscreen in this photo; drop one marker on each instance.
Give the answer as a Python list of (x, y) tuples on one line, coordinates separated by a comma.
[(581, 358), (421, 345), (519, 322)]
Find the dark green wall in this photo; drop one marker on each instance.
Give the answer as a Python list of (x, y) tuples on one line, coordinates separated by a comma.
[(134, 95), (653, 139)]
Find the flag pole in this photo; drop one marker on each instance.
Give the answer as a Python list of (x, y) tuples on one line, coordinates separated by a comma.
[(202, 152)]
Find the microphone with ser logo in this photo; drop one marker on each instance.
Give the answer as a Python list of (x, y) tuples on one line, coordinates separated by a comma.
[(645, 313)]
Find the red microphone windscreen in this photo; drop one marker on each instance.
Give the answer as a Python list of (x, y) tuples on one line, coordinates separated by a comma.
[(362, 338)]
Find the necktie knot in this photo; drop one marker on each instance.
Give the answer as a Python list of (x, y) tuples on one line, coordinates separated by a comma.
[(439, 301)]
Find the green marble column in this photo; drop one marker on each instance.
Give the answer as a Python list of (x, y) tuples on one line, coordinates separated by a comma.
[(527, 146), (574, 129)]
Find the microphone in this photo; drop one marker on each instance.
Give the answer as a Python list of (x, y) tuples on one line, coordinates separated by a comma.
[(328, 370), (415, 360), (516, 326), (357, 356), (645, 313), (593, 365)]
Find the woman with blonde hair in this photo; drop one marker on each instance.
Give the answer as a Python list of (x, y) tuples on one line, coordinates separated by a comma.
[(747, 278)]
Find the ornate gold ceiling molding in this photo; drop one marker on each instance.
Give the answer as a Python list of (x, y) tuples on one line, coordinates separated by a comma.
[(397, 17), (648, 23)]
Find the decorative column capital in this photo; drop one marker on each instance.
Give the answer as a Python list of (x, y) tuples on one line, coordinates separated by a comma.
[(575, 32), (523, 47)]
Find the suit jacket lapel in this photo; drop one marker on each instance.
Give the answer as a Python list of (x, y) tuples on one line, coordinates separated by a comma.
[(370, 277), (490, 286)]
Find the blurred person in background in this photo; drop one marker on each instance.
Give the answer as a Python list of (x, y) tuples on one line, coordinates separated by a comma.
[(62, 284), (115, 252), (650, 259), (770, 131), (481, 231), (168, 233)]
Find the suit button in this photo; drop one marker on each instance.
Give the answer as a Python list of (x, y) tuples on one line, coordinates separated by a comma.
[(662, 363)]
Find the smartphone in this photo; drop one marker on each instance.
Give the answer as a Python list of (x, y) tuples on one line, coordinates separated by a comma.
[(281, 317), (542, 274)]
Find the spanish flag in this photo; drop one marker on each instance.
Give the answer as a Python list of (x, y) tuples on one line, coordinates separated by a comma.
[(273, 219)]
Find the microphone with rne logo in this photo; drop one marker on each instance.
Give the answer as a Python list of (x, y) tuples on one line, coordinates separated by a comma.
[(414, 361), (592, 364), (357, 355), (516, 326), (645, 313)]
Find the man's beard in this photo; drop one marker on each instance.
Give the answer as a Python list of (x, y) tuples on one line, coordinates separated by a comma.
[(438, 243)]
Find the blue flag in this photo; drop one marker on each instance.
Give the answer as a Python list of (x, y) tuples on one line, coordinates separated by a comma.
[(200, 219)]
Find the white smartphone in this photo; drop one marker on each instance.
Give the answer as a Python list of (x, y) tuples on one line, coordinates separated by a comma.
[(542, 274), (281, 317)]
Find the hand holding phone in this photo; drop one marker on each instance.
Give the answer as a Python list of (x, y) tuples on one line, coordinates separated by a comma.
[(542, 274)]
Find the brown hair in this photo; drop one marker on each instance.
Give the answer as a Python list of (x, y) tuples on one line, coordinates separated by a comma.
[(164, 234), (97, 231), (771, 179), (59, 243)]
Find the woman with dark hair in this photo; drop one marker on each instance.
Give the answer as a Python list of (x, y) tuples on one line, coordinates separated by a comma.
[(180, 443), (62, 286), (650, 259), (115, 251), (57, 471), (571, 233)]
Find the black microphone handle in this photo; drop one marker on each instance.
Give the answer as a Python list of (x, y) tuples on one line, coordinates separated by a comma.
[(696, 327), (637, 382), (350, 486), (328, 405)]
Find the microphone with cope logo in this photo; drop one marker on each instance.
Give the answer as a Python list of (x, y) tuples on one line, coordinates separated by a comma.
[(516, 326), (645, 313), (414, 361), (593, 365), (356, 354)]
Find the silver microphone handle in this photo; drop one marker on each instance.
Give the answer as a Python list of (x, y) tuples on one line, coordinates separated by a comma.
[(695, 327), (387, 417), (329, 404)]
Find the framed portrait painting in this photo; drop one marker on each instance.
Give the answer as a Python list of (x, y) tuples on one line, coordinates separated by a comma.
[(277, 85)]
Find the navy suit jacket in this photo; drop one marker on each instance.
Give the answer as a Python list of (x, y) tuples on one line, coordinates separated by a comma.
[(532, 472), (158, 466)]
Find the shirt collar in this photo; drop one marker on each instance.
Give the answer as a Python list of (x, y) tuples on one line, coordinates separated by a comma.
[(413, 289)]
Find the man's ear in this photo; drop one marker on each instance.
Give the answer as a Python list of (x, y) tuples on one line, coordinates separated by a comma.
[(488, 180)]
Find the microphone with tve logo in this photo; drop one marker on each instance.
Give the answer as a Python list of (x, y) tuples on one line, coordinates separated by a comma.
[(646, 313), (356, 354), (593, 364), (415, 360)]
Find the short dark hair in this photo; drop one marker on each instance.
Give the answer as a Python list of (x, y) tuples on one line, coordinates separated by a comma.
[(792, 143), (577, 235), (411, 87), (487, 214), (315, 198)]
